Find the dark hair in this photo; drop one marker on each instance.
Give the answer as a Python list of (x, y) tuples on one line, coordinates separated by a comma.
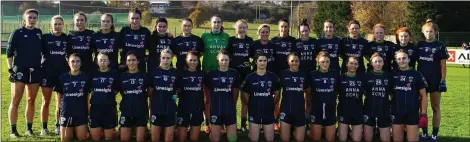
[(23, 23), (192, 53), (322, 54), (218, 16), (73, 55), (223, 51), (112, 20), (187, 19), (329, 21), (136, 11), (284, 20), (352, 57), (81, 14), (304, 23), (354, 22), (292, 54), (259, 54), (132, 53), (159, 19)]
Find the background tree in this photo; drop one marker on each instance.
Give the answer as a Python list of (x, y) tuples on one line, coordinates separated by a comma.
[(338, 11), (200, 15)]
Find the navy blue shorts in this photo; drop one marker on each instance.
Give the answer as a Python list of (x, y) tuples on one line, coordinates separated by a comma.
[(410, 118), (29, 75), (350, 117), (381, 121), (186, 119), (50, 81), (224, 119), (323, 116), (73, 121), (296, 119), (433, 82), (165, 120), (103, 115), (129, 122), (262, 120)]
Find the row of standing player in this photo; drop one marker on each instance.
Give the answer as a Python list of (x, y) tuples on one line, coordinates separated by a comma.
[(335, 48)]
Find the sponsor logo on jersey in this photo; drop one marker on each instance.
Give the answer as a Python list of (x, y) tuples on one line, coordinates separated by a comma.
[(135, 45), (222, 90), (403, 88), (73, 94), (265, 94), (102, 90), (294, 89), (136, 91)]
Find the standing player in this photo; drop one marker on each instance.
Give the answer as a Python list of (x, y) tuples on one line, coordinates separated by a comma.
[(263, 45), (105, 41), (215, 40), (240, 46), (330, 44), (261, 91), (323, 99), (409, 100), (353, 46), (377, 104), (103, 113), (385, 48), (432, 64), (162, 93), (73, 89), (186, 43), (160, 40), (305, 46), (223, 83), (53, 66), (134, 107), (24, 50), (404, 42), (294, 83), (135, 38), (191, 103), (79, 42), (350, 101)]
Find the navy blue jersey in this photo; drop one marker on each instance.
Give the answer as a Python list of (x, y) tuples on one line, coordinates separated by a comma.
[(406, 86), (137, 41), (106, 43), (79, 42), (74, 90), (55, 62), (412, 55), (164, 84), (158, 43), (307, 53), (323, 85), (260, 89), (191, 95), (182, 45), (293, 84), (350, 90), (104, 87), (283, 47), (240, 49), (26, 45), (331, 46), (430, 56), (133, 88), (377, 87), (221, 86), (354, 48), (385, 48), (267, 49)]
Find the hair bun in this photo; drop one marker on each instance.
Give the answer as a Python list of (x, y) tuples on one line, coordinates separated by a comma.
[(428, 20)]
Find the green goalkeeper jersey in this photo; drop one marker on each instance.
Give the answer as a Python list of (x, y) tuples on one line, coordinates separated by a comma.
[(212, 45)]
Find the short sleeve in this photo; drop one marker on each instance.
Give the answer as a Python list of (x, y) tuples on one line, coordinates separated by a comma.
[(237, 80), (60, 85), (116, 84), (307, 81), (179, 80), (311, 79), (276, 84), (422, 83), (443, 53), (247, 88), (149, 80)]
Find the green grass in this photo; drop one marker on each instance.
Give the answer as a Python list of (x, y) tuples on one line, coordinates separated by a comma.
[(455, 106)]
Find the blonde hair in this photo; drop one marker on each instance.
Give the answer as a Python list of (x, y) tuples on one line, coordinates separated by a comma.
[(400, 51), (166, 51), (241, 21), (55, 18), (263, 26), (322, 54), (430, 24)]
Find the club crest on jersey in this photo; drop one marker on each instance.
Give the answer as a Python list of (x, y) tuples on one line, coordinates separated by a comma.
[(378, 82), (354, 46), (386, 81), (200, 79), (111, 40), (136, 37), (426, 49), (282, 115), (173, 79), (270, 83), (359, 83), (165, 78), (410, 52), (57, 43), (302, 79), (142, 37), (262, 83), (329, 46), (141, 81), (283, 45), (230, 79), (110, 80), (39, 35), (82, 83), (410, 79)]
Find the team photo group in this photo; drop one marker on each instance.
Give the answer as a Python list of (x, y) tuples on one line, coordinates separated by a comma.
[(295, 86)]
